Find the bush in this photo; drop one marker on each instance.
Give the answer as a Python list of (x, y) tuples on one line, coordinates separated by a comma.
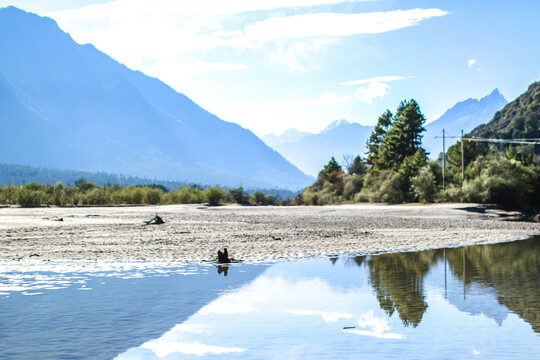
[(153, 196), (215, 195), (184, 195), (392, 190), (237, 195), (28, 197), (353, 185), (424, 185), (9, 195), (270, 199), (258, 197)]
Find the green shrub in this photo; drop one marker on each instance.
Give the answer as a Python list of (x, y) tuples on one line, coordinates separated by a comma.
[(9, 195), (30, 195), (424, 185), (238, 195), (258, 197), (152, 196), (215, 195), (353, 185), (270, 199)]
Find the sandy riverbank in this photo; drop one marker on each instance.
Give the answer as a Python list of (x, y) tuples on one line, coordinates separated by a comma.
[(196, 232)]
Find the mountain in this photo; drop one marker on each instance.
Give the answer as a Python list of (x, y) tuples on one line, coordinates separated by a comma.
[(465, 115), (312, 152), (288, 136), (519, 119), (70, 106)]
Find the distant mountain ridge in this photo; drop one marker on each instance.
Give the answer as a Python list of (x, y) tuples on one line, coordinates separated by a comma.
[(70, 106), (313, 151), (465, 115)]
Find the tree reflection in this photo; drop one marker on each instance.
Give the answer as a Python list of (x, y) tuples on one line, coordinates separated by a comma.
[(398, 282), (512, 269)]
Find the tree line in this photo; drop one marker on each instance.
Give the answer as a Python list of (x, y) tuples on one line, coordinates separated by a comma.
[(397, 170), (86, 193)]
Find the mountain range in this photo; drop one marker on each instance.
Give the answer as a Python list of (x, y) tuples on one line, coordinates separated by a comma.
[(465, 115), (70, 106), (310, 152)]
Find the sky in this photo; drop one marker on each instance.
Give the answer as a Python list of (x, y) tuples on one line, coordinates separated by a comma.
[(271, 65)]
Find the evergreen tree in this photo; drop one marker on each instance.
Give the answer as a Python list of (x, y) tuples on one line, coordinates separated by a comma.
[(472, 150), (330, 171), (358, 166), (403, 138), (376, 137)]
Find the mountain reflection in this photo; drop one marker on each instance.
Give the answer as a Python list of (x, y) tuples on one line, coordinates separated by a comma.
[(511, 269)]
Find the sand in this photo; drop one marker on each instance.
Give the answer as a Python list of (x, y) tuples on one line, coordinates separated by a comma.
[(251, 233)]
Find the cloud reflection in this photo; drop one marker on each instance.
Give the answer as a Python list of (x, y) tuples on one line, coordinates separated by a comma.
[(378, 327), (327, 316), (163, 348)]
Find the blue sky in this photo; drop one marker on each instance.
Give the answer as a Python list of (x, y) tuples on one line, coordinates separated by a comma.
[(273, 65)]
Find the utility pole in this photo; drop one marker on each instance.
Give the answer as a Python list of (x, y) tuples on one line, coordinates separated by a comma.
[(443, 160), (462, 160)]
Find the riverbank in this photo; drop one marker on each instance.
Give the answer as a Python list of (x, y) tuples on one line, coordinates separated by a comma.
[(251, 233)]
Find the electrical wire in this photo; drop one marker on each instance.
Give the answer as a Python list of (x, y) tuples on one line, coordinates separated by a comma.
[(532, 141)]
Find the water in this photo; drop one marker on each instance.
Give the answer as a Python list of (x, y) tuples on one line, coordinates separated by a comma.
[(478, 302)]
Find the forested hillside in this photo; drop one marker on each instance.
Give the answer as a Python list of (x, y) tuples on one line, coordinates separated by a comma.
[(520, 119)]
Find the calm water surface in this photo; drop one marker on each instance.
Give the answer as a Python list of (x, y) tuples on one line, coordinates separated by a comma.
[(478, 302)]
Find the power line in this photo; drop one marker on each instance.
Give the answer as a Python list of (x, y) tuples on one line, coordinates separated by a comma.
[(531, 141), (534, 141)]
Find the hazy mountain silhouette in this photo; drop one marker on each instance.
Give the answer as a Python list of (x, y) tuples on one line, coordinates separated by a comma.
[(465, 115), (288, 136), (70, 106), (311, 152)]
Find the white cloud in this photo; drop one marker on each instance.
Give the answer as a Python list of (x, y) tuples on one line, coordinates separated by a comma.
[(209, 7), (474, 64), (331, 24), (376, 89), (374, 79), (133, 32)]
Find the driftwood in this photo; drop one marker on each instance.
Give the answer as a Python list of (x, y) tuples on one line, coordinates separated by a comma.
[(156, 220), (223, 257)]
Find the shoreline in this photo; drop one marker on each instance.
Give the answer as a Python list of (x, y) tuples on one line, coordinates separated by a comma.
[(194, 233)]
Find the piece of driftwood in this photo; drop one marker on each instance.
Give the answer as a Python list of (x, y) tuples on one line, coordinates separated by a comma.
[(156, 220), (223, 257)]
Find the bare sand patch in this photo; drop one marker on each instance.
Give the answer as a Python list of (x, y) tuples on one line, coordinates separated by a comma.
[(197, 232)]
